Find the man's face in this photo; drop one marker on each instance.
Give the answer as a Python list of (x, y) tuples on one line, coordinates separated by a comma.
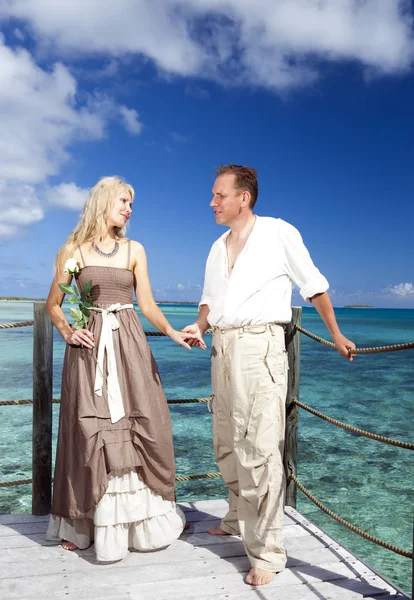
[(227, 200)]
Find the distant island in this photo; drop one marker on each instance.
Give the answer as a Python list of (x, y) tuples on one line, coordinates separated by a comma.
[(358, 306), (176, 302), (21, 299)]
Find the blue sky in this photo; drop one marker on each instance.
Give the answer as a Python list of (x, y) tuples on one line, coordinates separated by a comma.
[(318, 97)]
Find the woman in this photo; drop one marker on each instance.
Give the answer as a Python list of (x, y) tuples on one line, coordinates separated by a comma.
[(114, 474)]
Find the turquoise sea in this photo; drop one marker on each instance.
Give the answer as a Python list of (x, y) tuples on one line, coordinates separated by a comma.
[(366, 482)]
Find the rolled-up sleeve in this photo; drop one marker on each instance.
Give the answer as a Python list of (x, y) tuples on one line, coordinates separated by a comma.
[(206, 295), (299, 266)]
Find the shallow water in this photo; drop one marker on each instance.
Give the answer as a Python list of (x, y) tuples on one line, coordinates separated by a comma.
[(367, 483)]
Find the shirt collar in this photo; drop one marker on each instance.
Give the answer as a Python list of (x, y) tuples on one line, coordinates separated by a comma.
[(223, 238)]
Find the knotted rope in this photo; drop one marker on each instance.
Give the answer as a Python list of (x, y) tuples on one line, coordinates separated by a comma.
[(350, 526), (368, 434), (372, 350)]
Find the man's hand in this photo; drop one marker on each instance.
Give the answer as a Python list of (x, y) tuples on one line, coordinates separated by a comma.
[(181, 338), (195, 329), (343, 345)]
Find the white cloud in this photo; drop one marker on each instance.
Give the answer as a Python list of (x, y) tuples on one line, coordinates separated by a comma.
[(18, 34), (7, 231), (19, 207), (151, 28), (197, 92), (66, 195), (279, 44), (130, 119), (41, 116), (179, 138), (402, 289), (180, 286)]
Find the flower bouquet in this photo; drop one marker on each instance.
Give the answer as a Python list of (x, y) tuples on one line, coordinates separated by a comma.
[(81, 298)]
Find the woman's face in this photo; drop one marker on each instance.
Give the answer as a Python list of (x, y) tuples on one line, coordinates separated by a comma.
[(120, 211)]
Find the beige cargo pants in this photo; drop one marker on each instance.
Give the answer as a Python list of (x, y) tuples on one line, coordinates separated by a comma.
[(249, 380)]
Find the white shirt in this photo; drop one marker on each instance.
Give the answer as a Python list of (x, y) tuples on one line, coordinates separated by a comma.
[(259, 289)]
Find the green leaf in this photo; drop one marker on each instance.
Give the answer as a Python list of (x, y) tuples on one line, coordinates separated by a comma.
[(66, 289), (86, 290), (78, 325), (73, 300), (84, 310), (88, 302), (76, 314)]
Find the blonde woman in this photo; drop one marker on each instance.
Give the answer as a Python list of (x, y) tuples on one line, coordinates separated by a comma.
[(114, 474)]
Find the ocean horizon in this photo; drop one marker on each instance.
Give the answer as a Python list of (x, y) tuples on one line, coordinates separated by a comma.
[(368, 483)]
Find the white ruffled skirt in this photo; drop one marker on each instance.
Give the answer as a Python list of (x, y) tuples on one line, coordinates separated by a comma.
[(129, 515)]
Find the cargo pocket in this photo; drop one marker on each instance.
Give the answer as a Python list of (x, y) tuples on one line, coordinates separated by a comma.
[(277, 364), (262, 427)]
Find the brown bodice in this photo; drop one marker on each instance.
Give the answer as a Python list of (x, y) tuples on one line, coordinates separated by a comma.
[(109, 284)]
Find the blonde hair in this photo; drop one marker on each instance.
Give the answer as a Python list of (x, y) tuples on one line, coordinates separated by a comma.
[(92, 223)]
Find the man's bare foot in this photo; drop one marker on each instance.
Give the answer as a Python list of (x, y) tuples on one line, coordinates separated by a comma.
[(259, 577), (217, 531), (68, 545)]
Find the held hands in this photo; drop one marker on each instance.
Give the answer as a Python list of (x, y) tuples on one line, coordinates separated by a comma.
[(194, 335), (187, 339), (343, 345), (81, 337)]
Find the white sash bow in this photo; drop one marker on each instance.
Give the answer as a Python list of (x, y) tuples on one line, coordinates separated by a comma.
[(109, 324)]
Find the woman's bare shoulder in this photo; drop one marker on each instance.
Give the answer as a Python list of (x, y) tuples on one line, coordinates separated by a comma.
[(137, 248)]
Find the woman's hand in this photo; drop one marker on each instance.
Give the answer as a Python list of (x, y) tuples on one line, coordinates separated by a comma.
[(181, 337), (81, 337), (194, 335)]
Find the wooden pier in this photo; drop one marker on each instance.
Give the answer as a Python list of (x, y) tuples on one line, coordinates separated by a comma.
[(197, 566)]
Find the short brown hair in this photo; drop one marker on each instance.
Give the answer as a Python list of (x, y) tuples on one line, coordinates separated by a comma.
[(245, 179)]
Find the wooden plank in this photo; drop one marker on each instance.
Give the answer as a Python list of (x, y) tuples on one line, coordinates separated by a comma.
[(298, 584), (202, 538), (301, 550), (195, 566), (42, 410), (179, 551), (23, 518), (204, 504), (23, 529), (293, 339), (34, 537), (106, 576)]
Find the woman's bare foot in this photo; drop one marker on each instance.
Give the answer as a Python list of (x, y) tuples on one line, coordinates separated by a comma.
[(217, 531), (259, 577), (68, 545)]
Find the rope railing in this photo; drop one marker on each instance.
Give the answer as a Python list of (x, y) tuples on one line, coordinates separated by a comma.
[(352, 429), (12, 325), (179, 478), (292, 476), (350, 526), (371, 350), (57, 401), (313, 336)]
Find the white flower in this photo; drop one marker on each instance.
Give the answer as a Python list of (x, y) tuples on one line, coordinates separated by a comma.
[(71, 267)]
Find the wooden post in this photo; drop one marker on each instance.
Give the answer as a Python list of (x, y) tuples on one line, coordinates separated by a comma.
[(292, 338), (42, 410)]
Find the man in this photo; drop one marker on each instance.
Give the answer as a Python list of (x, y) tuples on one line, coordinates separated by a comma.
[(246, 299)]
